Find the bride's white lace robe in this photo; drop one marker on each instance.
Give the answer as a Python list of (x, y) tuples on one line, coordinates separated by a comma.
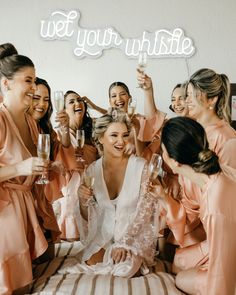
[(129, 221)]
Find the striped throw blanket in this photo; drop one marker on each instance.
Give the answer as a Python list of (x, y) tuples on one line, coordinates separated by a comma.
[(48, 281)]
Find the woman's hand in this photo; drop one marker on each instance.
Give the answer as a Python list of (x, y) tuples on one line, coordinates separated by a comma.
[(144, 80), (62, 118), (120, 254), (31, 166), (129, 148), (157, 187), (57, 167), (85, 194)]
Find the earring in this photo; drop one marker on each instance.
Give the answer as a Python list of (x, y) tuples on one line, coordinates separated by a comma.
[(211, 107)]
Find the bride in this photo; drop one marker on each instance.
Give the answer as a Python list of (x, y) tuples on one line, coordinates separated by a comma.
[(117, 213)]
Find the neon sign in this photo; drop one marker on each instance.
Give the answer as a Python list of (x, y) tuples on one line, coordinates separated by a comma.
[(90, 43)]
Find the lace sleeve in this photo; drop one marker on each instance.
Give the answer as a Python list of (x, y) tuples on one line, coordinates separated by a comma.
[(142, 232), (87, 229)]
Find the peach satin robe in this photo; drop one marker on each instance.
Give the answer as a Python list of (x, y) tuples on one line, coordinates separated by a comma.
[(21, 236), (222, 140), (66, 217), (216, 256), (150, 131)]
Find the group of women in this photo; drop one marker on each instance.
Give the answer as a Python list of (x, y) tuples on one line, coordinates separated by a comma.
[(118, 218)]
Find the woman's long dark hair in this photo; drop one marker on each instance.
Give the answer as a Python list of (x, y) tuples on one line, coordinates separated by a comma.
[(186, 142), (87, 122), (45, 122)]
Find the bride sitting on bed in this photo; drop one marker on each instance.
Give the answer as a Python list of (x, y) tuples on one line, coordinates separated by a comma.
[(117, 216)]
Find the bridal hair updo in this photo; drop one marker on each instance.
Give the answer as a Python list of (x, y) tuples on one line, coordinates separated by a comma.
[(213, 84), (100, 125), (186, 142)]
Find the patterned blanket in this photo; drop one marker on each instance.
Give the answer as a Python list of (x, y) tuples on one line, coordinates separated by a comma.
[(48, 281)]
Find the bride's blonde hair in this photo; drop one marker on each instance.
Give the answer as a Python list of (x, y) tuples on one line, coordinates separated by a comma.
[(100, 125)]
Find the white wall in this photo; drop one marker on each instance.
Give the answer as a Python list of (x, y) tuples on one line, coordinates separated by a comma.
[(211, 24)]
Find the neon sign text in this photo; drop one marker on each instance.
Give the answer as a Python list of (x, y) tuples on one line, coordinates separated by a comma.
[(91, 43)]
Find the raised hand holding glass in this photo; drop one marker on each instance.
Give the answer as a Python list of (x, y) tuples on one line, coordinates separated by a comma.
[(142, 63)]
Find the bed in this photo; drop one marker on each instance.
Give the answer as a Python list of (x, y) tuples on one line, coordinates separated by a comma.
[(47, 280)]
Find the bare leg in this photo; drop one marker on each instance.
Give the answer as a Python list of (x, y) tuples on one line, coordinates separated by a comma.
[(186, 280), (96, 257)]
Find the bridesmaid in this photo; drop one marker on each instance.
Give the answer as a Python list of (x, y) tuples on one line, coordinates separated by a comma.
[(76, 108), (208, 103), (41, 110), (186, 151), (21, 236)]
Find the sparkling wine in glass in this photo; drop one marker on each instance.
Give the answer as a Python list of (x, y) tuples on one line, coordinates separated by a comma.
[(43, 151), (59, 102), (88, 181), (142, 63), (80, 139), (131, 107), (155, 167)]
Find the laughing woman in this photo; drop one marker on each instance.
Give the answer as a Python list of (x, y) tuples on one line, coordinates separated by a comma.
[(21, 236), (115, 215), (76, 108)]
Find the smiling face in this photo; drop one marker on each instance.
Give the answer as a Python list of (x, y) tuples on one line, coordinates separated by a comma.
[(40, 102), (75, 108), (197, 102), (115, 139), (119, 98), (21, 87), (178, 103)]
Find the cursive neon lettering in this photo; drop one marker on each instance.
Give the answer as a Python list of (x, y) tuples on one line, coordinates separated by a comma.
[(161, 43)]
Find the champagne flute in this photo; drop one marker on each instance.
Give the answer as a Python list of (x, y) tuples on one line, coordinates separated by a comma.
[(131, 107), (80, 139), (155, 167), (59, 101), (142, 63), (88, 181), (43, 151)]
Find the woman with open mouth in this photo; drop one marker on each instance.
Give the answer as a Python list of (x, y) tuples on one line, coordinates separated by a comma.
[(79, 119), (115, 217), (178, 100), (120, 97)]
